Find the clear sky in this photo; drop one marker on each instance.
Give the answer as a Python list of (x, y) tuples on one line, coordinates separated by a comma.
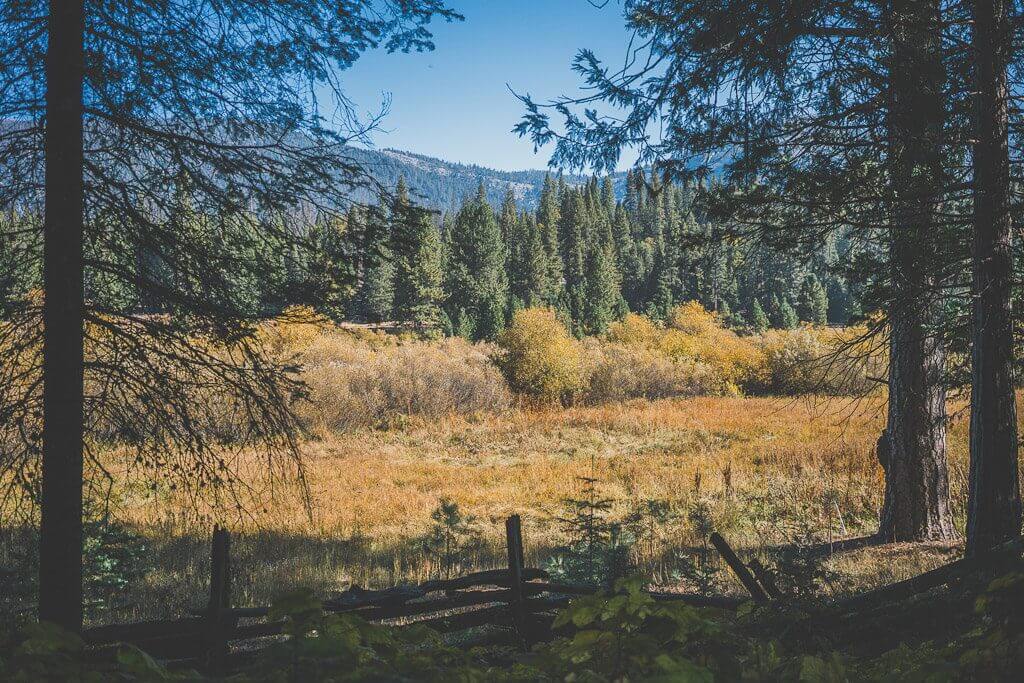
[(454, 103)]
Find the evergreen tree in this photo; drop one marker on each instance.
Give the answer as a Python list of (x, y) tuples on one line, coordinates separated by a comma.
[(375, 298), (548, 221), (527, 265), (788, 319), (604, 302), (476, 286), (328, 268), (812, 303), (758, 318), (574, 256), (419, 276)]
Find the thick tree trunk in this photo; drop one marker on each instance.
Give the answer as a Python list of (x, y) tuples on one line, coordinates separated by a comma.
[(994, 505), (60, 546), (916, 503)]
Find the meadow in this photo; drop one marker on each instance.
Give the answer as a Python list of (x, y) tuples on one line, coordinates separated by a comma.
[(416, 451)]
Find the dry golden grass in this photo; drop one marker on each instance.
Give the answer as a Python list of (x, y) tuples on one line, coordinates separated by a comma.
[(763, 465)]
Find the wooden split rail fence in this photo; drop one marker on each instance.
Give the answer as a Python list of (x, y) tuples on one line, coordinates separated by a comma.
[(518, 597)]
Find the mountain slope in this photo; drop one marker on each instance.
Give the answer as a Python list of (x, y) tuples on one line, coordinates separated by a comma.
[(442, 185)]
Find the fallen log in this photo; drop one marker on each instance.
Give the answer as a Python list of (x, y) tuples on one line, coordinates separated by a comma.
[(716, 601), (954, 571), (739, 569), (357, 598), (491, 577)]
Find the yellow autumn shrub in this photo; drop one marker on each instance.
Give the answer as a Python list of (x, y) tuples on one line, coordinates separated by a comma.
[(539, 358), (835, 361), (698, 335), (293, 330), (634, 331)]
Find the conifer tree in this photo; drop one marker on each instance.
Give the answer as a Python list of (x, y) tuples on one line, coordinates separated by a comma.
[(329, 268), (375, 296), (574, 257), (418, 291), (788, 319), (758, 318), (375, 300), (608, 203), (812, 303), (527, 266), (604, 302), (548, 221), (476, 285)]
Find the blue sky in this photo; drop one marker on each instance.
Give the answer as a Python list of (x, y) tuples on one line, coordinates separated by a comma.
[(454, 102)]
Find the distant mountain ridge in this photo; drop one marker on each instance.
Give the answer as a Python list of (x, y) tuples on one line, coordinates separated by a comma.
[(442, 185)]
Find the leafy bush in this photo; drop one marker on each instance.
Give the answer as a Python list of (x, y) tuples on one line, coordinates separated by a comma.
[(819, 360), (539, 358), (293, 330), (626, 636), (634, 331), (356, 383), (699, 335), (619, 372)]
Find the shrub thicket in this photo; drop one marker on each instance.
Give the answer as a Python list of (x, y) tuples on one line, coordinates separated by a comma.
[(539, 358), (360, 377)]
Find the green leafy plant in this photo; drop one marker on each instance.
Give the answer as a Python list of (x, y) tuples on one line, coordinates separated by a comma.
[(343, 647), (625, 635)]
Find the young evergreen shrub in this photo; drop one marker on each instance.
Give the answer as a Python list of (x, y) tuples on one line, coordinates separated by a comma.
[(451, 540), (539, 358), (599, 550)]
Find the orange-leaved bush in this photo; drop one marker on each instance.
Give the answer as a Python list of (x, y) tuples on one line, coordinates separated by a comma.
[(539, 358)]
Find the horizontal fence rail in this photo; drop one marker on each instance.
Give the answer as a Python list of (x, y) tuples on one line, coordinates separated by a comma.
[(516, 597)]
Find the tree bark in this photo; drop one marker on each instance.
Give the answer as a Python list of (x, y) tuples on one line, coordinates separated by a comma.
[(994, 504), (60, 545), (916, 503)]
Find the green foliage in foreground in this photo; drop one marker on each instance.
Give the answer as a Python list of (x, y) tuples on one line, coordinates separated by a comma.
[(620, 635)]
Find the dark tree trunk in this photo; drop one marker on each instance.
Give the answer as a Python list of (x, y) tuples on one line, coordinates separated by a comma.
[(916, 503), (60, 546), (994, 506)]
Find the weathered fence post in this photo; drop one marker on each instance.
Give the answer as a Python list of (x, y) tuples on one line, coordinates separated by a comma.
[(514, 541), (739, 569), (219, 621)]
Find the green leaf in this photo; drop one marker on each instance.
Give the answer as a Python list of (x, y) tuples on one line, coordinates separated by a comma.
[(45, 638)]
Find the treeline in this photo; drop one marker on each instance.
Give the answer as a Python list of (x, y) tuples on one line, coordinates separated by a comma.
[(583, 253), (590, 257)]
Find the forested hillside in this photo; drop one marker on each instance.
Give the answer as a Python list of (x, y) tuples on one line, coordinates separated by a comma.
[(583, 251), (442, 185), (590, 256)]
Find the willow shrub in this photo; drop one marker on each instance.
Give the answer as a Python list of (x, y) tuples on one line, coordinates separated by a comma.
[(539, 358)]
